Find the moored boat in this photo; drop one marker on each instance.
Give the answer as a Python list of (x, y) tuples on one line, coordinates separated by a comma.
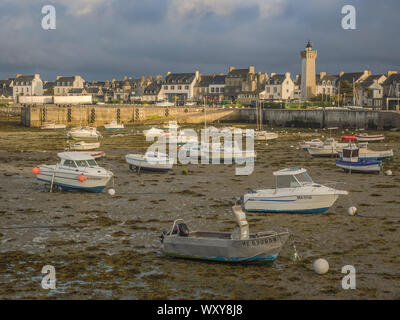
[(307, 144), (114, 125), (52, 126), (350, 161), (83, 146), (75, 170), (84, 132), (295, 192), (237, 246), (329, 148), (364, 137), (150, 161)]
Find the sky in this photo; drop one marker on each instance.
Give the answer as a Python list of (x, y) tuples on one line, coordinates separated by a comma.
[(105, 39)]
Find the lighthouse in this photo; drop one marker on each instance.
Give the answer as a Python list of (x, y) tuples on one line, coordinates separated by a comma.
[(308, 81)]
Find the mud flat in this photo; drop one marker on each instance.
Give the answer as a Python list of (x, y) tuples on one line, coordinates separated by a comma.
[(108, 247)]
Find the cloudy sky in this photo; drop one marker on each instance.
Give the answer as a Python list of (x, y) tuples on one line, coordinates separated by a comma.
[(104, 39)]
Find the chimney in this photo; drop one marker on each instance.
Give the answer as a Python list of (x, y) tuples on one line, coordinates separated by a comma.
[(197, 73), (251, 69), (36, 75), (273, 74), (322, 75), (391, 72), (231, 69), (341, 73), (287, 75), (58, 77), (168, 73), (125, 78), (18, 75)]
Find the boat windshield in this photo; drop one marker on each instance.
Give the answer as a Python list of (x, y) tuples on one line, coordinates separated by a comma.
[(92, 163), (294, 181), (304, 178)]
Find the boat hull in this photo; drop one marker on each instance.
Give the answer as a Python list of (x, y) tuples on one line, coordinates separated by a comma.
[(143, 164), (364, 166), (313, 204), (255, 249), (69, 180)]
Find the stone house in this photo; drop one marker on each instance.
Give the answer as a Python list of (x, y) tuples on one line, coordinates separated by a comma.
[(64, 84), (210, 87), (279, 87), (180, 86), (27, 85)]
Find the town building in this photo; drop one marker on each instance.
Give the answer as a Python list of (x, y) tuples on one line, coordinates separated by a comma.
[(370, 91), (179, 87), (27, 85), (154, 92), (210, 88), (64, 84), (279, 87)]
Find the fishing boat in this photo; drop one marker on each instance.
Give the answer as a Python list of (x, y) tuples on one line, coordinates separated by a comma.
[(150, 161), (351, 162), (364, 137), (329, 148), (52, 126), (295, 192), (76, 170), (306, 144), (237, 246), (113, 125), (265, 135), (366, 154), (84, 133), (83, 146)]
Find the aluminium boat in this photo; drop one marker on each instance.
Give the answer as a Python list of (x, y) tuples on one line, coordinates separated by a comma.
[(239, 246)]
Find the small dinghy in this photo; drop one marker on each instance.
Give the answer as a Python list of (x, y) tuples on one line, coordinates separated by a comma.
[(364, 137), (84, 133), (52, 126), (84, 146), (237, 246), (150, 161), (307, 144), (351, 162), (76, 171), (113, 125), (295, 192)]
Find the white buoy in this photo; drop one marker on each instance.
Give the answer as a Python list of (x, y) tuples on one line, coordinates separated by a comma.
[(111, 192), (352, 211), (388, 172), (321, 266)]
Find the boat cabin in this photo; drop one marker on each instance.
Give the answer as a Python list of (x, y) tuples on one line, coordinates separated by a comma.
[(77, 160), (350, 153), (292, 178)]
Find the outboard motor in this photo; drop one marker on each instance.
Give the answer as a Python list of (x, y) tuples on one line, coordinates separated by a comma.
[(181, 229), (242, 231)]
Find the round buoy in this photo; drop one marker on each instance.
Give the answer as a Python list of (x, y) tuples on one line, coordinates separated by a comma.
[(388, 172), (111, 192), (352, 211), (35, 170), (321, 266), (81, 178)]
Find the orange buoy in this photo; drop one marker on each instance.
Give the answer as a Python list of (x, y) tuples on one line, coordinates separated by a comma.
[(81, 178), (35, 170)]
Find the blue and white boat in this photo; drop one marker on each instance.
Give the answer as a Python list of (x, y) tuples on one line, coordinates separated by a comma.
[(75, 171), (238, 246), (295, 192), (351, 162)]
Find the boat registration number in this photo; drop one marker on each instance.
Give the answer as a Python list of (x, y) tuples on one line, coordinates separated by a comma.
[(304, 197)]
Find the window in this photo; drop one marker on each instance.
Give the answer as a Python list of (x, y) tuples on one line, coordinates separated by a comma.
[(92, 163), (81, 163), (222, 89), (179, 87), (166, 87), (172, 87), (212, 90), (186, 87), (275, 89), (216, 89), (69, 163), (286, 182), (268, 89)]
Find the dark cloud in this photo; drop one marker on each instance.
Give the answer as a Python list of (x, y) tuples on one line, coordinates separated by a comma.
[(102, 39)]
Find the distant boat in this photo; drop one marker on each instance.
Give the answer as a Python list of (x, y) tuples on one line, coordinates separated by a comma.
[(77, 171), (295, 192), (151, 161), (84, 133), (164, 104), (351, 162), (306, 144), (329, 148), (82, 146), (364, 137), (53, 126), (113, 125), (237, 246)]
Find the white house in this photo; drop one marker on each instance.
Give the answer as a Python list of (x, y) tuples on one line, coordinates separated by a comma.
[(326, 84), (180, 86), (27, 85), (370, 92), (279, 87)]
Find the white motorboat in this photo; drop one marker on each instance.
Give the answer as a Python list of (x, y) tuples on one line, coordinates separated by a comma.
[(52, 126), (329, 148), (154, 132), (263, 135), (83, 146), (151, 161), (76, 170), (364, 137), (295, 192), (91, 153), (84, 133), (313, 143), (217, 153), (113, 125), (351, 162)]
